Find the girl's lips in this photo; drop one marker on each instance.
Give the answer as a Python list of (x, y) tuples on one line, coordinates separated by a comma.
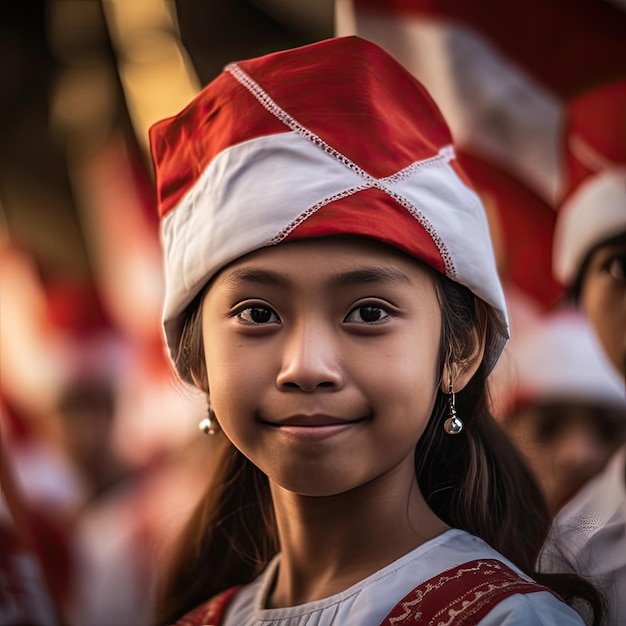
[(315, 432), (312, 420), (313, 427)]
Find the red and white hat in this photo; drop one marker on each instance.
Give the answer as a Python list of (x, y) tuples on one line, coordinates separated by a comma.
[(594, 208), (330, 138), (559, 359)]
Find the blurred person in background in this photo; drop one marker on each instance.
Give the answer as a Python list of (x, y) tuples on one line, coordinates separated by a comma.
[(61, 367), (589, 258), (42, 491), (589, 253), (90, 478), (87, 406), (567, 411)]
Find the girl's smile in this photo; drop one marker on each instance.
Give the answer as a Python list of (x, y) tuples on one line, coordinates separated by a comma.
[(313, 427), (315, 432), (324, 341)]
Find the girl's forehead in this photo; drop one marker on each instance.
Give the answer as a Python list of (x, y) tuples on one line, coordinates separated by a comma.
[(346, 257)]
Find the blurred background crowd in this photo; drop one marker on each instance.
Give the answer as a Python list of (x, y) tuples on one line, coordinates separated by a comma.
[(100, 455)]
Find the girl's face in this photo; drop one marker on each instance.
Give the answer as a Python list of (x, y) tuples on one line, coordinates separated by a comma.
[(322, 360)]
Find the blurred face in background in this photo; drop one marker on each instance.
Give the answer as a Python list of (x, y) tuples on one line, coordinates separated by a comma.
[(566, 444), (87, 410), (603, 299)]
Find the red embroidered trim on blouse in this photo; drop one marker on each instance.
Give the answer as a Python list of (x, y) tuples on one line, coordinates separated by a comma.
[(460, 596)]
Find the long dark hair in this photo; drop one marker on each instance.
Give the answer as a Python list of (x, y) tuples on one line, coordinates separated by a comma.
[(476, 482)]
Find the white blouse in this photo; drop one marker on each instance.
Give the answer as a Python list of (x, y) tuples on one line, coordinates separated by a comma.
[(588, 536), (369, 601)]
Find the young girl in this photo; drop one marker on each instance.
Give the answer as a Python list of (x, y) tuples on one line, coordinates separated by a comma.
[(331, 287)]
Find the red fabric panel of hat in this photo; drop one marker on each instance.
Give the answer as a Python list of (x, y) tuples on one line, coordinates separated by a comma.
[(222, 115), (372, 212), (373, 110), (225, 114)]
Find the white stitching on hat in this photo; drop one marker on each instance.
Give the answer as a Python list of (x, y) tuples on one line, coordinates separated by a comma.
[(313, 209), (268, 103), (444, 156), (430, 229)]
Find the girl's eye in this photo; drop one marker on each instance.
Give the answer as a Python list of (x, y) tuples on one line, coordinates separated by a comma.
[(367, 315), (258, 315), (616, 268)]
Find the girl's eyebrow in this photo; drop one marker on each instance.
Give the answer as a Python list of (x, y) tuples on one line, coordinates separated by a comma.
[(359, 276), (366, 275), (254, 275)]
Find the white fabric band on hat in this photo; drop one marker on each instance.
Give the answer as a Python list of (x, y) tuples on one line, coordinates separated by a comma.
[(252, 194), (595, 212)]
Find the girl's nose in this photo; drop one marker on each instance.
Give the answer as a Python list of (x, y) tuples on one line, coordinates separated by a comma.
[(310, 360)]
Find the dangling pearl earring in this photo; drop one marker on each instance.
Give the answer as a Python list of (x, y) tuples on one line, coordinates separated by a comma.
[(209, 425), (454, 424)]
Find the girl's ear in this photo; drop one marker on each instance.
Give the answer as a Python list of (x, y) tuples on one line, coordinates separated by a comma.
[(459, 372)]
